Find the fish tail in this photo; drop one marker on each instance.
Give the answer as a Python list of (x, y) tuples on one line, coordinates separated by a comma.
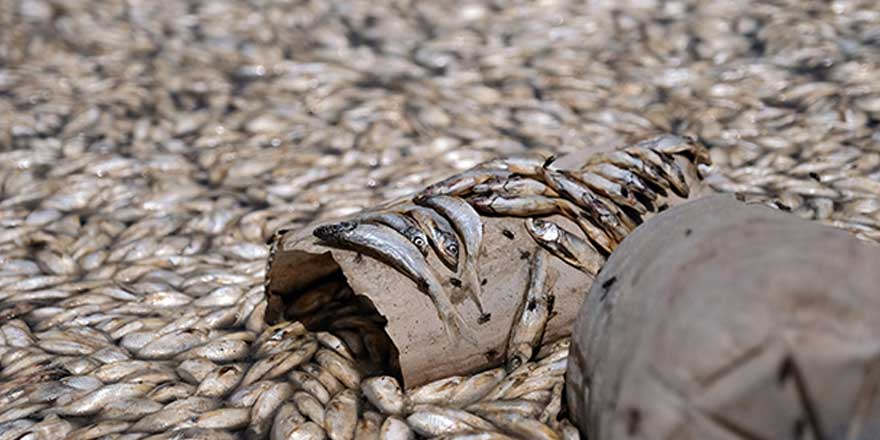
[(453, 324), (457, 329), (475, 289)]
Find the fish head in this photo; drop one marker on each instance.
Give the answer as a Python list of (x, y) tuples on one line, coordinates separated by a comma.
[(543, 229), (333, 231), (449, 246), (418, 238)]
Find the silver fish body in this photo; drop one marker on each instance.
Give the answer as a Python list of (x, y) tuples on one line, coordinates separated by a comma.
[(687, 146), (627, 178), (522, 165), (533, 313), (440, 232), (469, 226), (615, 223), (463, 183), (386, 245), (535, 206), (621, 194), (623, 160), (568, 247), (403, 225), (515, 185), (665, 166)]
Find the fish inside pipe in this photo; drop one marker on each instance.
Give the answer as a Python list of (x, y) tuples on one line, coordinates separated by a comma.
[(389, 247)]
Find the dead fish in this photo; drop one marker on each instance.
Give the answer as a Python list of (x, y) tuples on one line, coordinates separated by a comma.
[(221, 381), (475, 387), (665, 166), (367, 429), (93, 402), (394, 428), (627, 179), (526, 408), (170, 391), (279, 363), (432, 420), (404, 225), (99, 430), (286, 420), (308, 383), (604, 214), (190, 370), (385, 394), (469, 226), (341, 368), (336, 344), (628, 169), (687, 146), (50, 427), (515, 185), (522, 427), (617, 193), (566, 246), (307, 431), (309, 406), (440, 233), (330, 382), (392, 249), (462, 183), (551, 412), (129, 409), (247, 396), (522, 165), (231, 419), (264, 408), (341, 417), (531, 318), (531, 206)]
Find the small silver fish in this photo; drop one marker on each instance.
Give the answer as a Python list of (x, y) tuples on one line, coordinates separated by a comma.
[(625, 178), (402, 224), (385, 394), (515, 206), (515, 185), (637, 172), (665, 166), (341, 417), (568, 247), (534, 311), (523, 165), (440, 232), (622, 195), (386, 245), (605, 214), (531, 206), (469, 226), (686, 145), (463, 183)]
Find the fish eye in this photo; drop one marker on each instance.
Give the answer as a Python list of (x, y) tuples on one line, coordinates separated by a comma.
[(452, 248), (418, 241)]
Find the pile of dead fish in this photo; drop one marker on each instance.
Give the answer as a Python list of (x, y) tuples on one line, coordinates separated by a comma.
[(606, 198), (149, 149)]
